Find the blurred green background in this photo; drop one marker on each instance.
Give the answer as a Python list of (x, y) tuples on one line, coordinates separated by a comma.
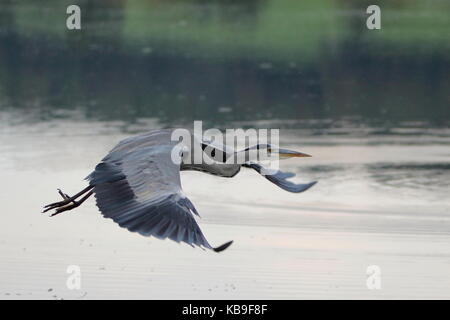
[(228, 60)]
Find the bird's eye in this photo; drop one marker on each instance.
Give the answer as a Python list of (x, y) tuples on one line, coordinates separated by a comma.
[(184, 153)]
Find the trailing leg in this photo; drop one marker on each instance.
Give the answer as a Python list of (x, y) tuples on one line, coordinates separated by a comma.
[(72, 205), (67, 200)]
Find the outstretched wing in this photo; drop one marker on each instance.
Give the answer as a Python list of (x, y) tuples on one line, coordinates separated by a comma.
[(138, 186), (280, 178)]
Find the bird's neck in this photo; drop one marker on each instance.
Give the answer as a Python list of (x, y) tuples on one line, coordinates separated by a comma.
[(217, 169)]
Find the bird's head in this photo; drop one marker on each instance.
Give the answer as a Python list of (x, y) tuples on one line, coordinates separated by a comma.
[(286, 153)]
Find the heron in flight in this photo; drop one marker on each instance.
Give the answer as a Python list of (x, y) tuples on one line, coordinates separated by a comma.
[(137, 185)]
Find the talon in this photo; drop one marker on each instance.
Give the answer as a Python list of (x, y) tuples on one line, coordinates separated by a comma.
[(56, 204), (63, 195), (68, 203)]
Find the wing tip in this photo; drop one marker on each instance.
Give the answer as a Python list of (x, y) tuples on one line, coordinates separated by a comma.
[(313, 183), (305, 187), (223, 246)]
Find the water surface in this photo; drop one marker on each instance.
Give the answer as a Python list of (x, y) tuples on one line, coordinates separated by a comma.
[(372, 107)]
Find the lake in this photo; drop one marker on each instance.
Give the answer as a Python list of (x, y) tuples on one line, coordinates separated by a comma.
[(370, 106)]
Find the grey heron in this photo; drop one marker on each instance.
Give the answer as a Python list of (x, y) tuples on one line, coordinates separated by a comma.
[(137, 185)]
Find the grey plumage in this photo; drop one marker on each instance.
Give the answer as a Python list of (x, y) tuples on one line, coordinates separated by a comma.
[(137, 185)]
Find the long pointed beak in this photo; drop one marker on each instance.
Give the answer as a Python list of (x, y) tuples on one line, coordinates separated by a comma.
[(285, 154)]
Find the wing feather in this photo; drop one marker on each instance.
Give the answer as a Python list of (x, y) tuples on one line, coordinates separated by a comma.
[(280, 179), (138, 186)]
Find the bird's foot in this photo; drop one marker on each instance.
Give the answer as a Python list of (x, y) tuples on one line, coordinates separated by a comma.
[(69, 202), (65, 196), (59, 204), (71, 205)]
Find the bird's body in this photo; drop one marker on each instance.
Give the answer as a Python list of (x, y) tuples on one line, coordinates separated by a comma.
[(223, 170), (137, 184)]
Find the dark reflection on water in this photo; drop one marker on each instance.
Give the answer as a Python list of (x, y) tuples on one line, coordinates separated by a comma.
[(425, 167), (223, 62), (109, 85), (417, 176)]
